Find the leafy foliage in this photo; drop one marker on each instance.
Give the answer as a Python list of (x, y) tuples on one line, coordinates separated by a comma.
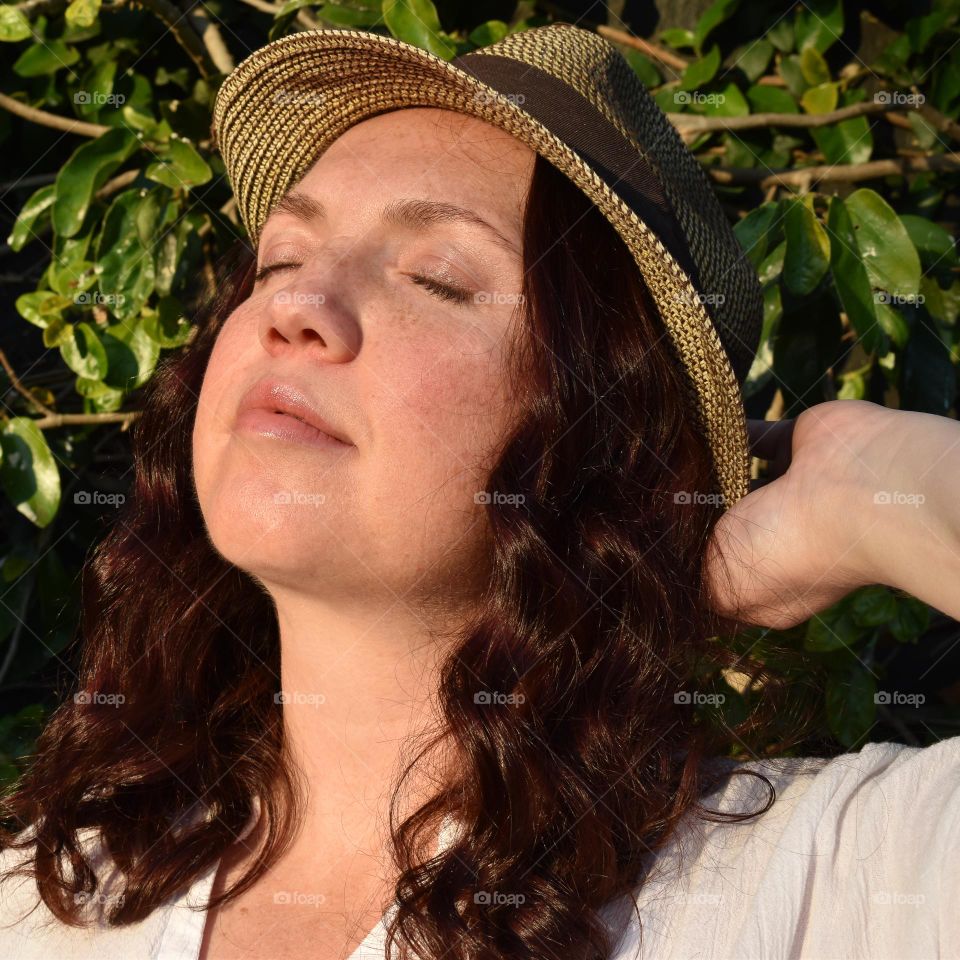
[(859, 278)]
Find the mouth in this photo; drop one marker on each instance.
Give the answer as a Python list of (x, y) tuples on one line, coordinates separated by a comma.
[(281, 410), (285, 426)]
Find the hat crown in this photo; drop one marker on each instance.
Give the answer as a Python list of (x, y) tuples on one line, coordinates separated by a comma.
[(593, 67)]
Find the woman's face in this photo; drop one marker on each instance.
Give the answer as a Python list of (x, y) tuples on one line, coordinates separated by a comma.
[(414, 377)]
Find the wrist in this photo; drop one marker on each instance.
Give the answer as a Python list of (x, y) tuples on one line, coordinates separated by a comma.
[(911, 524)]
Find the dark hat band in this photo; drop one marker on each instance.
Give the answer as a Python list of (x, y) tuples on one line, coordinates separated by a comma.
[(573, 119)]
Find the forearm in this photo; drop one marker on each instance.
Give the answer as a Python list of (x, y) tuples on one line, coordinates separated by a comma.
[(915, 521)]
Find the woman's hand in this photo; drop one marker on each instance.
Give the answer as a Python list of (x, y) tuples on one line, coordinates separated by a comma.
[(861, 494)]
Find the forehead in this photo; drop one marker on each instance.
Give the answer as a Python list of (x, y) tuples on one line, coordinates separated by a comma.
[(423, 152)]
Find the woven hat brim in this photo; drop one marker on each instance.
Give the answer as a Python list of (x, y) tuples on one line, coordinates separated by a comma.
[(283, 106)]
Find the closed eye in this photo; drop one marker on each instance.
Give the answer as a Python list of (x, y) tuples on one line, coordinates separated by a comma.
[(440, 290)]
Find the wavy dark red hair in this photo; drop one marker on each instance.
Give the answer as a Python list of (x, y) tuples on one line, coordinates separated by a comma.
[(595, 617)]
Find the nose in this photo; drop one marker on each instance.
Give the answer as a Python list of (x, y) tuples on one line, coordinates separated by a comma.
[(304, 312)]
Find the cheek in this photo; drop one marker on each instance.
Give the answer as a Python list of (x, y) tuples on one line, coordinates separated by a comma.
[(446, 404), (214, 411)]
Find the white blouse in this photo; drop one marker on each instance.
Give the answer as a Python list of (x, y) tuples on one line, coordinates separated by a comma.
[(859, 857)]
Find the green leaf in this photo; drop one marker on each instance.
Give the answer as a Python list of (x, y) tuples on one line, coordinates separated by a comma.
[(677, 37), (96, 90), (834, 629), (82, 13), (781, 35), (643, 67), (487, 33), (701, 71), (819, 24), (850, 703), (808, 248), (872, 606), (813, 67), (40, 307), (168, 326), (935, 246), (83, 352), (848, 142), (772, 264), (94, 389), (179, 167), (127, 267), (759, 231), (728, 102), (84, 173), (417, 22), (888, 253), (850, 277), (29, 473), (767, 99), (789, 70), (820, 99), (911, 619), (39, 203), (45, 57), (928, 377), (753, 58), (131, 354), (14, 26), (713, 16), (333, 13)]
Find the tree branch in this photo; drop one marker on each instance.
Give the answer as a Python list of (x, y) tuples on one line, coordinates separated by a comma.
[(65, 419), (652, 50), (79, 127), (20, 388), (836, 173), (686, 122)]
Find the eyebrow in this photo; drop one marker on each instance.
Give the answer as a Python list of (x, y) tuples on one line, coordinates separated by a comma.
[(411, 213)]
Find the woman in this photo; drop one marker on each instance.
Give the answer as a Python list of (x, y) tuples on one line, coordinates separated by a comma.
[(406, 611)]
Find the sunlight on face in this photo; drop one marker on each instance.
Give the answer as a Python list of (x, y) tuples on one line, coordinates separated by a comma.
[(396, 328)]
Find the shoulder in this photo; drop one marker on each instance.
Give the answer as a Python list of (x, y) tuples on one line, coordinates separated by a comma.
[(860, 841), (29, 931)]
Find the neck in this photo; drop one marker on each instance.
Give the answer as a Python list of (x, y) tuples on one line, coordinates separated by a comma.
[(359, 696)]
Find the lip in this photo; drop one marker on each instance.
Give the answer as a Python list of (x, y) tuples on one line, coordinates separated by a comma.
[(280, 409)]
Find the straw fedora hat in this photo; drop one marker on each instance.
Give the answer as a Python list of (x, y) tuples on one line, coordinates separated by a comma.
[(568, 94)]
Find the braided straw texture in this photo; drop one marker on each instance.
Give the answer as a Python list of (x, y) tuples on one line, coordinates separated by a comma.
[(280, 109)]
